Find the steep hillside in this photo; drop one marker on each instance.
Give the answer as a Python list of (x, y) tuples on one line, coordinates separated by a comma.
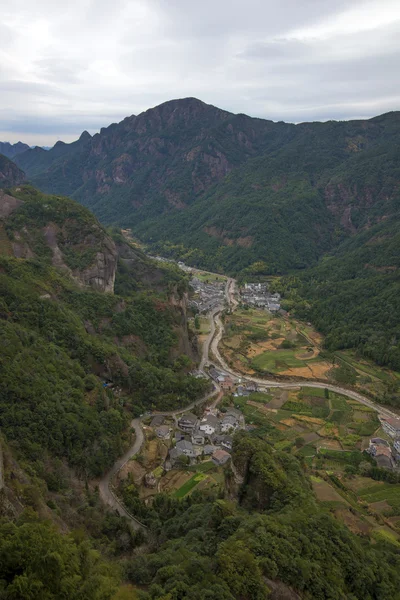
[(10, 174), (157, 161), (11, 150), (353, 296), (226, 191), (62, 335)]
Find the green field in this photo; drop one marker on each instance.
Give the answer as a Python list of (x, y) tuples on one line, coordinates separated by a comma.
[(383, 491), (210, 277), (274, 361), (189, 485)]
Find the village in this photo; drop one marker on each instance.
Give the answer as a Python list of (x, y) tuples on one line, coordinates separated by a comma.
[(207, 294), (257, 295)]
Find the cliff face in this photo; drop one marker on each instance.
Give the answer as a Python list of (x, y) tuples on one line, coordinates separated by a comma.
[(60, 232), (10, 174)]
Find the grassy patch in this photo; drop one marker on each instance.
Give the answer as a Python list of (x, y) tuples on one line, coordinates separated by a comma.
[(189, 485)]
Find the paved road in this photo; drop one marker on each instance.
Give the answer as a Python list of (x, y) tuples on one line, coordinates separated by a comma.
[(107, 496)]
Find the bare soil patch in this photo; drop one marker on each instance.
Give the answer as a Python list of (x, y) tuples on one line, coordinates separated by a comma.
[(133, 467), (381, 506), (289, 422), (326, 493), (353, 522), (173, 480), (330, 444), (311, 437)]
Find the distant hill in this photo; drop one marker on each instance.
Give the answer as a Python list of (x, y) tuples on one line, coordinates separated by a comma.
[(11, 150), (10, 174)]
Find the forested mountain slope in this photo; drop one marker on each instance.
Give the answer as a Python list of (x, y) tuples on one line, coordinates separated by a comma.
[(61, 338)]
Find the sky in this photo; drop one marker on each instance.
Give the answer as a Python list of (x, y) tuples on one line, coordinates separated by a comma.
[(80, 65)]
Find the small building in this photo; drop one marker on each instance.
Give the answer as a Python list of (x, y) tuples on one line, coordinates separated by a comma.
[(391, 426), (198, 438), (220, 457), (187, 422), (163, 432), (229, 423), (226, 442), (186, 448), (213, 373), (227, 384), (157, 421), (396, 445), (209, 424), (209, 449)]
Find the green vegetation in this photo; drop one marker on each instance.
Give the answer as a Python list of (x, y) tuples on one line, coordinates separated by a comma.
[(213, 548), (189, 485)]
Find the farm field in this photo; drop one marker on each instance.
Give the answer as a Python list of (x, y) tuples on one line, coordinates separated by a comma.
[(209, 277), (256, 342), (328, 433)]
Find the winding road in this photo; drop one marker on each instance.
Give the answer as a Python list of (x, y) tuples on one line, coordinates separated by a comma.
[(211, 345)]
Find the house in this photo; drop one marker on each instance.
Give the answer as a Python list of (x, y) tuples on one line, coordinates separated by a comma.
[(381, 451), (187, 422), (157, 421), (220, 457), (186, 448), (213, 373), (234, 412), (391, 426), (209, 424), (209, 449), (226, 442), (198, 438), (227, 384), (251, 387), (163, 432), (228, 423), (396, 445), (179, 436)]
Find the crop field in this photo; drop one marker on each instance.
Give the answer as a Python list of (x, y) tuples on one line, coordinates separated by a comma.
[(388, 492), (189, 485)]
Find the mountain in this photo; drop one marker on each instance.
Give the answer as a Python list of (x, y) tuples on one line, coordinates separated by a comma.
[(11, 150), (226, 191), (249, 197), (10, 174)]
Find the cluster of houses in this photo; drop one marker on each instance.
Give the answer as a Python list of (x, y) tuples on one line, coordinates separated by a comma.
[(207, 296), (385, 455), (257, 294), (208, 436)]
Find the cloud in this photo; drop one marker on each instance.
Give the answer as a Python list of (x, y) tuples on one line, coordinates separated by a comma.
[(65, 67)]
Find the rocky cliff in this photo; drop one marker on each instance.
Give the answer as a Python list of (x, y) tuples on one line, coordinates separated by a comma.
[(10, 174), (60, 232)]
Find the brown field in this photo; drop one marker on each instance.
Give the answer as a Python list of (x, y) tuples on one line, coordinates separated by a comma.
[(317, 370), (312, 420), (173, 480), (262, 407), (276, 402), (381, 506), (326, 493), (289, 422), (330, 444), (311, 437), (353, 522)]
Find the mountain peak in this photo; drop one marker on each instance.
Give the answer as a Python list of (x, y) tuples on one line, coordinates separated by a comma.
[(85, 135)]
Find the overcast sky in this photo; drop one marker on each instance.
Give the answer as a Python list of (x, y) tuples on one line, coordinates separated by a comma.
[(82, 64)]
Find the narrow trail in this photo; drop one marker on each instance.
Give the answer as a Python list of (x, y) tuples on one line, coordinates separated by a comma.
[(211, 345)]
